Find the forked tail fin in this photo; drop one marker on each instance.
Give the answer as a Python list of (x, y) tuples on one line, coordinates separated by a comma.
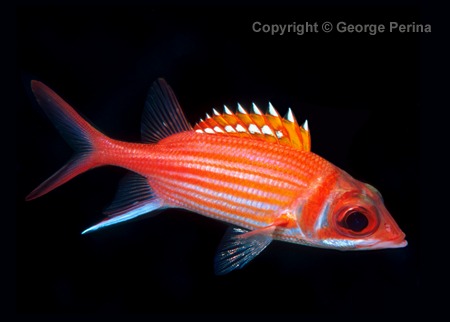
[(83, 137)]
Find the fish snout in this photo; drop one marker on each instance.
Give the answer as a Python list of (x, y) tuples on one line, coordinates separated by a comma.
[(392, 237)]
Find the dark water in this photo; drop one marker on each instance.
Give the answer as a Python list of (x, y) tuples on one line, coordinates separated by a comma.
[(359, 93)]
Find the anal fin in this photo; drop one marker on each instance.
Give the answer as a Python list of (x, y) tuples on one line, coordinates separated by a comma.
[(134, 198)]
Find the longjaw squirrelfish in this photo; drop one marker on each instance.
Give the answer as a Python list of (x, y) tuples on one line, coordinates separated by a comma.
[(251, 169)]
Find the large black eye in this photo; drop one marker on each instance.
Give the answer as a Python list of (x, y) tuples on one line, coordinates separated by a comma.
[(356, 221)]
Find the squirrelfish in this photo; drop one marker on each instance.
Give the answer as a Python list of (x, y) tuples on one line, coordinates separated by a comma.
[(250, 169)]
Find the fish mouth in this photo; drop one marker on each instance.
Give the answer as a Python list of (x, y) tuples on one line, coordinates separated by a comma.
[(390, 244), (399, 242)]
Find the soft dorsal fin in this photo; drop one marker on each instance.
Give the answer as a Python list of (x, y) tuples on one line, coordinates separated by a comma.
[(162, 114), (269, 127)]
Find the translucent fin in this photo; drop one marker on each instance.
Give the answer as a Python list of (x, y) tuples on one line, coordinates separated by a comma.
[(143, 208), (77, 165), (239, 246), (133, 189), (270, 127), (80, 135), (73, 128), (162, 114), (133, 199)]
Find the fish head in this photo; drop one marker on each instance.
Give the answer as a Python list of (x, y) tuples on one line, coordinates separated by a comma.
[(355, 218)]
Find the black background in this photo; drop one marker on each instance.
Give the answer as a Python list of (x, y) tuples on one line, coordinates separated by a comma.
[(360, 94)]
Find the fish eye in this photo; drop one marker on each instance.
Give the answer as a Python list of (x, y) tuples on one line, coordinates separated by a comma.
[(357, 222)]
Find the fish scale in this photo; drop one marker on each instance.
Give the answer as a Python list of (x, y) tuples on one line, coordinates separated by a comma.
[(216, 152)]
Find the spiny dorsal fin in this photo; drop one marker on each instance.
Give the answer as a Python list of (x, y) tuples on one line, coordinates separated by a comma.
[(162, 114), (270, 127)]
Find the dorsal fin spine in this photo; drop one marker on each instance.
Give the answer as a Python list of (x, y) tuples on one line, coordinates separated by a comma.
[(256, 110), (272, 111), (227, 110), (294, 135), (305, 126), (270, 127), (241, 110)]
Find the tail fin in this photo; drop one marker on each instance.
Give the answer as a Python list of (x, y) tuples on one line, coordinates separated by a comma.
[(82, 136)]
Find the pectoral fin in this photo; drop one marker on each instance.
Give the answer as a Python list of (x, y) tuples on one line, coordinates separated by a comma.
[(239, 246)]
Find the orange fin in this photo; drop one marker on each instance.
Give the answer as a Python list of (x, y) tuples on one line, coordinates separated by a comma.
[(82, 136), (270, 127)]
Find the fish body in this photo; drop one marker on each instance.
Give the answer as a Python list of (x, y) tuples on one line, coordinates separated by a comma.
[(252, 170)]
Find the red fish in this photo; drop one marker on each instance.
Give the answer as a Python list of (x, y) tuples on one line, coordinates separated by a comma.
[(253, 170)]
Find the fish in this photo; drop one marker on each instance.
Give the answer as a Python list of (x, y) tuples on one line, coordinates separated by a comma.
[(252, 170)]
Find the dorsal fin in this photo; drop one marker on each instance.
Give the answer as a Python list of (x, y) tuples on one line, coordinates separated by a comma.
[(162, 114), (269, 127)]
